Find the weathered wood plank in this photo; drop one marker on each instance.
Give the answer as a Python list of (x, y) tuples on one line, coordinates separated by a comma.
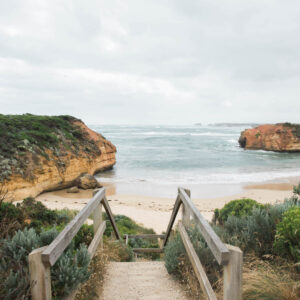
[(97, 215), (196, 264), (233, 273), (148, 250), (186, 214), (97, 239), (172, 219), (111, 218), (40, 277), (145, 236), (219, 250), (56, 248)]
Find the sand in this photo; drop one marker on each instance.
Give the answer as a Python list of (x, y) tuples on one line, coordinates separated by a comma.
[(154, 212)]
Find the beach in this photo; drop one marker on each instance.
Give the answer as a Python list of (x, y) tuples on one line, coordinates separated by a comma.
[(154, 212)]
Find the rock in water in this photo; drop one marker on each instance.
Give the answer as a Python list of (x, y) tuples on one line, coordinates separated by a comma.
[(73, 189), (283, 137), (44, 153), (87, 181)]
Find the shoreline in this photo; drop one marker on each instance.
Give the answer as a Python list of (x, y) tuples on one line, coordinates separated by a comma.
[(154, 212)]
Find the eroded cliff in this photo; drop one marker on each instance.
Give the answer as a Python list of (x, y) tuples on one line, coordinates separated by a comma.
[(283, 137), (41, 153)]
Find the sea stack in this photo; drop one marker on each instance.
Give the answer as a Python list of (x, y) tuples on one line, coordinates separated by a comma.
[(282, 137), (43, 153)]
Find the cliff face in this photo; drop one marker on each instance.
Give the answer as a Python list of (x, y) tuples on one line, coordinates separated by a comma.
[(44, 153), (283, 137)]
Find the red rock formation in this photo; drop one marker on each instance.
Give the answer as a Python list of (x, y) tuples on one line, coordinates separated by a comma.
[(94, 154), (283, 137)]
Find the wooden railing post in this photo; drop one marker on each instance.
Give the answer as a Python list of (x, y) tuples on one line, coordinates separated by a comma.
[(233, 274), (40, 277), (186, 214), (97, 217)]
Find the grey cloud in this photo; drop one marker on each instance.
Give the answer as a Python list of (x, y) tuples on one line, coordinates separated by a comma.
[(151, 61)]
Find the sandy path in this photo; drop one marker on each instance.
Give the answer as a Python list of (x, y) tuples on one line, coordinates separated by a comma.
[(140, 280)]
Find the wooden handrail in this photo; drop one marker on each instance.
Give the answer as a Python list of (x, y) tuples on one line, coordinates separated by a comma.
[(172, 219), (62, 241), (229, 256), (196, 264), (111, 217), (57, 247), (215, 244)]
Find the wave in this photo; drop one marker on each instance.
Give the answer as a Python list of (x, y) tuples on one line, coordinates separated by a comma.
[(166, 133), (213, 134), (217, 178)]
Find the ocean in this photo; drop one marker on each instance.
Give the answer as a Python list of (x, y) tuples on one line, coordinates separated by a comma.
[(155, 160)]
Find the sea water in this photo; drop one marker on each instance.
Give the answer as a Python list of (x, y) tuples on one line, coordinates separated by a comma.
[(154, 160)]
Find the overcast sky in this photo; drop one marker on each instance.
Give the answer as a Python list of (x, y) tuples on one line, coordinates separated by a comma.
[(151, 62)]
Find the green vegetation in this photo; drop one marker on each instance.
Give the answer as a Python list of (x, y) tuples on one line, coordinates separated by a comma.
[(30, 225), (26, 138), (295, 128), (257, 135), (287, 239), (269, 236), (238, 208), (128, 226), (14, 273)]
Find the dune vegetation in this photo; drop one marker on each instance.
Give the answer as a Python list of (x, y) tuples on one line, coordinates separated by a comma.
[(268, 235)]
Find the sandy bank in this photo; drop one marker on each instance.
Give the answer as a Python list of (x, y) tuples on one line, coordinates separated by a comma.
[(154, 212)]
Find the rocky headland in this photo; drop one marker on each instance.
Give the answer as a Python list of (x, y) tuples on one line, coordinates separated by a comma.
[(42, 153), (283, 137)]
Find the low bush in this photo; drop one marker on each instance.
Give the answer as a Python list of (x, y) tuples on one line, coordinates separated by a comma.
[(69, 270), (237, 208), (128, 226), (175, 254), (287, 239), (84, 235), (125, 226)]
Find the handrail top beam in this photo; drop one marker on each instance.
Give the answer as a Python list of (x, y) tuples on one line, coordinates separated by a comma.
[(217, 247), (60, 243)]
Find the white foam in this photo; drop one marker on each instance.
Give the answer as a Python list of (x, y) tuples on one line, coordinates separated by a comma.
[(217, 178)]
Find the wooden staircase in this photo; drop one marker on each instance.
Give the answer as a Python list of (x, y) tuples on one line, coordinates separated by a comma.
[(141, 280)]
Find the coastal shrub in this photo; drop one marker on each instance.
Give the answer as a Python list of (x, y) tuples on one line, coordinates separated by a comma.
[(32, 214), (256, 232), (287, 239), (37, 214), (11, 219), (252, 233), (70, 269), (124, 252), (125, 226), (128, 226), (175, 254), (174, 250), (238, 208), (84, 235)]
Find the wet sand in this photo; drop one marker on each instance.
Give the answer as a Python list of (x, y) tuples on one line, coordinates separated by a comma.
[(154, 212)]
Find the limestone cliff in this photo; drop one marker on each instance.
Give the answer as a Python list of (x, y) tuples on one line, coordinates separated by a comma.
[(40, 153), (283, 137)]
